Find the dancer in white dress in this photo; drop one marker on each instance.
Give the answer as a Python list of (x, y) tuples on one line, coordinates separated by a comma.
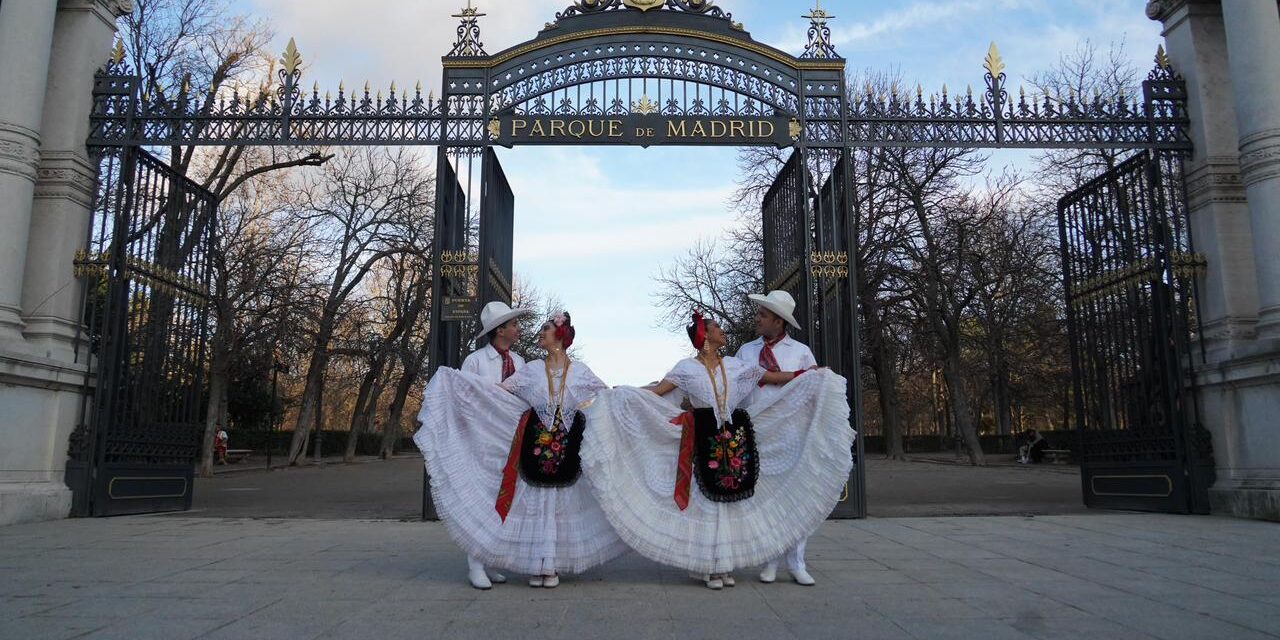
[(765, 480), (504, 464)]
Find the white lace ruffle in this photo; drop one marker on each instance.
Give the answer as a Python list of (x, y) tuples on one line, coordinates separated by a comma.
[(467, 429), (804, 441)]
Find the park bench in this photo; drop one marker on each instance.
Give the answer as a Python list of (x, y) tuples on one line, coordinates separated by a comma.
[(1057, 456), (238, 455)]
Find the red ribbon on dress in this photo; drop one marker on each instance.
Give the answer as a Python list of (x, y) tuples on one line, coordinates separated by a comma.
[(507, 490), (508, 365), (684, 462)]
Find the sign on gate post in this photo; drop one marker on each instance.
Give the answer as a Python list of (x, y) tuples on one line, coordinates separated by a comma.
[(458, 309)]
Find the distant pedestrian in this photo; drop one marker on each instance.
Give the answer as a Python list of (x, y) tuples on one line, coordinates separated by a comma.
[(1032, 452), (220, 443)]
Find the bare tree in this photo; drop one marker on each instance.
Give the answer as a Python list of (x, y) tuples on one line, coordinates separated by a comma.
[(363, 208)]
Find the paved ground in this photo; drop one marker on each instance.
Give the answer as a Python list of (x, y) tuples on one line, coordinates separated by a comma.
[(392, 490), (1099, 577)]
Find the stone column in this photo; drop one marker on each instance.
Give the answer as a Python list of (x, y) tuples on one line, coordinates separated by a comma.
[(1238, 384), (41, 386), (1253, 40), (1195, 39), (26, 31), (51, 295)]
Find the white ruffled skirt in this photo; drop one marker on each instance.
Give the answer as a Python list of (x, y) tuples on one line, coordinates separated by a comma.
[(804, 441), (467, 429)]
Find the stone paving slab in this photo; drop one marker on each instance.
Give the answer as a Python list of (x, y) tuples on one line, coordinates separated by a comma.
[(1123, 576)]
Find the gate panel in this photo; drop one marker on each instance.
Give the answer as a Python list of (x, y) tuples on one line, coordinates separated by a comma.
[(147, 319), (1129, 275), (497, 219), (788, 240)]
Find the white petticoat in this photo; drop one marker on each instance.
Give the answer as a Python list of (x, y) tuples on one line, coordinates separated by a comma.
[(467, 428), (804, 441)]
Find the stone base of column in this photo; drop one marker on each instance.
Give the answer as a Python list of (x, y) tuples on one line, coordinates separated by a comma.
[(42, 402), (34, 502), (1254, 502), (11, 326), (1269, 325), (53, 338), (1239, 401)]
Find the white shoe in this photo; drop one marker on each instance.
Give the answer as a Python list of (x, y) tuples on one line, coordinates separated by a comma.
[(802, 577), (497, 578), (479, 580), (728, 580), (535, 581), (770, 573), (550, 582), (715, 584)]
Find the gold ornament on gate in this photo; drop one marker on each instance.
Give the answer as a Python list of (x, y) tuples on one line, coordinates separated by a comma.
[(644, 5)]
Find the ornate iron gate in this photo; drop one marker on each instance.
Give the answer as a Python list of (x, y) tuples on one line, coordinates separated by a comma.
[(146, 268), (788, 240), (497, 220), (1129, 274), (837, 341)]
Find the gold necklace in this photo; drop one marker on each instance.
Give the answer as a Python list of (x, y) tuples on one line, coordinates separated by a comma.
[(722, 396), (555, 399)]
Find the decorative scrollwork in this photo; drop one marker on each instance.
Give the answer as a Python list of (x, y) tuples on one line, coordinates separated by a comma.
[(701, 7), (820, 45), (829, 264), (468, 44)]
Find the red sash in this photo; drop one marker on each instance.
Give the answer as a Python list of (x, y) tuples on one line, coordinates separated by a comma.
[(507, 491), (684, 463)]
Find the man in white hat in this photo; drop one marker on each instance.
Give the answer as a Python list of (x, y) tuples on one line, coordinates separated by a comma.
[(494, 362), (774, 350)]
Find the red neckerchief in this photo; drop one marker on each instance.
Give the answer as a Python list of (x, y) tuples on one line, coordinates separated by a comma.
[(508, 365), (768, 361)]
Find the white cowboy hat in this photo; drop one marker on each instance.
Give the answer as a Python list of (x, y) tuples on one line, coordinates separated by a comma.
[(779, 302), (495, 314)]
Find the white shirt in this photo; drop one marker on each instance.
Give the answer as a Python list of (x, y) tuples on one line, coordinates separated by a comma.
[(792, 355), (487, 363)]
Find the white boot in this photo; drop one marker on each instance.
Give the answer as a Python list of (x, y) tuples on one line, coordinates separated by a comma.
[(802, 577), (769, 573), (476, 574)]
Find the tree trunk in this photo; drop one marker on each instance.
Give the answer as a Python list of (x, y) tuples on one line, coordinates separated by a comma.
[(362, 420), (308, 409), (214, 417), (360, 415), (215, 411), (391, 431), (961, 407), (884, 364)]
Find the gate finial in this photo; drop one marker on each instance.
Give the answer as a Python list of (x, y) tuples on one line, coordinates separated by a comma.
[(820, 45), (468, 44)]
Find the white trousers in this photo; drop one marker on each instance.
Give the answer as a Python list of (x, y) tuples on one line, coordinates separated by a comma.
[(794, 557)]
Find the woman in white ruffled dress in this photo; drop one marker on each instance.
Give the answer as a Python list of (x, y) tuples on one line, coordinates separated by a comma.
[(504, 464), (767, 476)]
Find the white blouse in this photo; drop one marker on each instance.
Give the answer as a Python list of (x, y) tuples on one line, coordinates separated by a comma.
[(530, 385), (691, 376)]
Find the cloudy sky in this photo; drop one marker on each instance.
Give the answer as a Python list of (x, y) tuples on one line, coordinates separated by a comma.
[(593, 225)]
